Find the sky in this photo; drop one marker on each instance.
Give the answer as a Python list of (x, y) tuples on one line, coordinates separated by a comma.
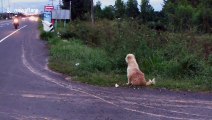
[(156, 4), (39, 4)]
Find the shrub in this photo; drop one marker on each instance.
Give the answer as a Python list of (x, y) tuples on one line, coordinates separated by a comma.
[(191, 66), (78, 57), (46, 35), (65, 34)]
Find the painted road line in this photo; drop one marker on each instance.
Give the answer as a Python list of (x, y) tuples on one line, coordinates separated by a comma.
[(12, 33), (5, 24), (5, 21)]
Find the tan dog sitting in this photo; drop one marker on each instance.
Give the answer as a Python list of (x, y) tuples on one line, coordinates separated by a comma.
[(135, 76)]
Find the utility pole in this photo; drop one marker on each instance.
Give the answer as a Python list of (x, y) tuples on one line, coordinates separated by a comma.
[(8, 9), (92, 12)]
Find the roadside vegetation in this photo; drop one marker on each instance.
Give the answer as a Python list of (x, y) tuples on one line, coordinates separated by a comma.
[(178, 58)]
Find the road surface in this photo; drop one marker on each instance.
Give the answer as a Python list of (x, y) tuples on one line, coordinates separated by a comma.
[(30, 91)]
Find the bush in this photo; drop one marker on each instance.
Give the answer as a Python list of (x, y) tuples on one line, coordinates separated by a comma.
[(152, 50), (65, 34), (190, 66), (46, 35)]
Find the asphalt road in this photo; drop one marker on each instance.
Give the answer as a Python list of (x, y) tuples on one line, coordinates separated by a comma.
[(30, 91)]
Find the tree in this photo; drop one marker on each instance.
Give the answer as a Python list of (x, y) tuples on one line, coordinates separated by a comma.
[(132, 8), (66, 4), (169, 12), (178, 14), (98, 10), (119, 9), (108, 12), (92, 12), (78, 7), (185, 14), (203, 16), (147, 11)]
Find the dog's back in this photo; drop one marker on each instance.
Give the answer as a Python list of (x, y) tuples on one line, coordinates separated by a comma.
[(137, 78)]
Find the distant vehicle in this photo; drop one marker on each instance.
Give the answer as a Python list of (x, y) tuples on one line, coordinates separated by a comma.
[(16, 22), (33, 18)]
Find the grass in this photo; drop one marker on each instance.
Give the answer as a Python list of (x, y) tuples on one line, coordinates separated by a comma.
[(184, 84), (102, 79), (95, 55), (77, 60)]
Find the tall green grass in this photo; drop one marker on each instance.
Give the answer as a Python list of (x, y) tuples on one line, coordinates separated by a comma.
[(90, 65), (79, 57), (175, 59)]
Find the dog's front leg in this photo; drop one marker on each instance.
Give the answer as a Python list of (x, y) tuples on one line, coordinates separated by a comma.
[(128, 80), (128, 83)]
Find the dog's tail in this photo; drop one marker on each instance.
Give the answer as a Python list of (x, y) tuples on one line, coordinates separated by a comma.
[(151, 82)]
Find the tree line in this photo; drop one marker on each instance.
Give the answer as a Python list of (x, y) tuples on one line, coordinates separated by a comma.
[(176, 15)]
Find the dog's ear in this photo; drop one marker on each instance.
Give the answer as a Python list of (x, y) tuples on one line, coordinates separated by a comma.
[(126, 59)]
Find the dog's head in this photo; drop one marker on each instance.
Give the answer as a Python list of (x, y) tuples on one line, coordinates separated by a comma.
[(129, 57)]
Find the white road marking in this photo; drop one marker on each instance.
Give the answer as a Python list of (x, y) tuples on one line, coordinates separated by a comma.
[(5, 24), (12, 33)]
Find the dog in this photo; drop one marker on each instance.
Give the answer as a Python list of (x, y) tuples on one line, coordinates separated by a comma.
[(134, 74)]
